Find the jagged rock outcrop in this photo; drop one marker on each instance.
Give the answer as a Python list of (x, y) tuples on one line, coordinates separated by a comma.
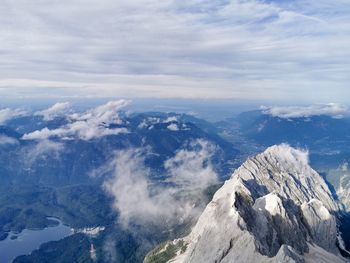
[(275, 208), (343, 190)]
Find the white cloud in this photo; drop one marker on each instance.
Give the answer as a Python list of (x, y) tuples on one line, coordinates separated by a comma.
[(109, 250), (149, 122), (5, 140), (171, 119), (131, 189), (173, 127), (54, 111), (192, 49), (299, 158), (91, 124), (288, 112), (8, 114), (140, 202), (173, 123), (191, 169), (42, 149)]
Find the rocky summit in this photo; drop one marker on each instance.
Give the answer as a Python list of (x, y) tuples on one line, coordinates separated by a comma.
[(274, 208)]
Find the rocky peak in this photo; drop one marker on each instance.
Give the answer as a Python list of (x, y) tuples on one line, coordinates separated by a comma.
[(285, 170), (275, 208)]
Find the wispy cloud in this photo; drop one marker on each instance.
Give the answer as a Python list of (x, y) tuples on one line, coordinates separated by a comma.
[(287, 112), (197, 49), (191, 169), (141, 202), (41, 150), (8, 114), (6, 140), (58, 109), (91, 124)]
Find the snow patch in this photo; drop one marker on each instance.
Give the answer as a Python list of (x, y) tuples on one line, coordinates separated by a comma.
[(173, 127)]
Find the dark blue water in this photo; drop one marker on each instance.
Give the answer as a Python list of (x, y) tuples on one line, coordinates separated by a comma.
[(29, 240)]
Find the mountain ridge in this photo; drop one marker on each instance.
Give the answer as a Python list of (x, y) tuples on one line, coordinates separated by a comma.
[(275, 208)]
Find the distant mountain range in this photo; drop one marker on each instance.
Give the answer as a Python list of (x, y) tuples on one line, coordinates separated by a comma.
[(57, 164), (69, 161), (47, 166), (316, 132)]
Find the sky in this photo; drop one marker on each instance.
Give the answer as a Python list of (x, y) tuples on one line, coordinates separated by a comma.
[(282, 51)]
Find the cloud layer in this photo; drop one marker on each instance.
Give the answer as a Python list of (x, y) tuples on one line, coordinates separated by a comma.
[(288, 112), (42, 149), (140, 202), (58, 109), (172, 48), (8, 114), (188, 168), (91, 124), (5, 140)]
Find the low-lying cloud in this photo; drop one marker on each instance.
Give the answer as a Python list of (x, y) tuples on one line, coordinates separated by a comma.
[(140, 201), (189, 169), (8, 114), (91, 124), (6, 140), (43, 149), (54, 111), (334, 110)]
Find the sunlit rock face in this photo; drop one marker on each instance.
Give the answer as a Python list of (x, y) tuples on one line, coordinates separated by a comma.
[(275, 208)]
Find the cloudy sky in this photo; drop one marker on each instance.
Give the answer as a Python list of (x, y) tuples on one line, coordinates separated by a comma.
[(248, 50)]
